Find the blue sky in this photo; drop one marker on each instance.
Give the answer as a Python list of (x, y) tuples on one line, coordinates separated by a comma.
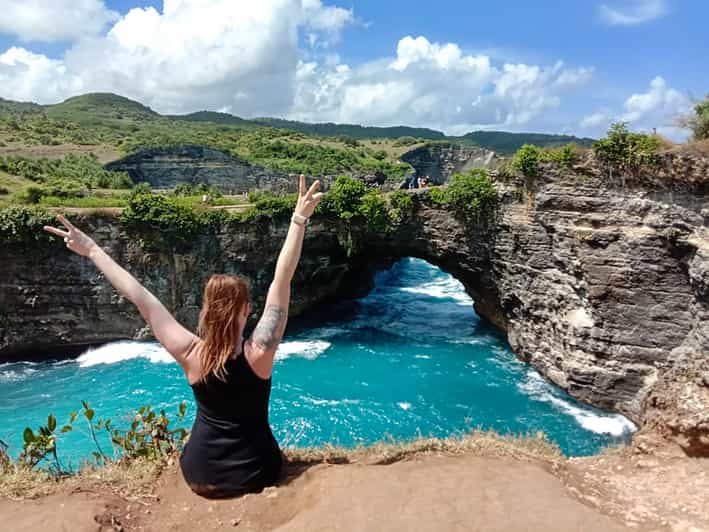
[(450, 64)]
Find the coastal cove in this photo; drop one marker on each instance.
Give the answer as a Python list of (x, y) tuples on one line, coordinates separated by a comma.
[(567, 270), (411, 359)]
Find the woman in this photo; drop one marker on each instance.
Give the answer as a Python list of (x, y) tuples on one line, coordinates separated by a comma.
[(231, 448)]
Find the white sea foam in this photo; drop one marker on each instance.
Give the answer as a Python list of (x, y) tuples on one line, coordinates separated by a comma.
[(15, 375), (424, 357), (305, 349), (447, 288), (120, 351), (614, 424), (404, 406)]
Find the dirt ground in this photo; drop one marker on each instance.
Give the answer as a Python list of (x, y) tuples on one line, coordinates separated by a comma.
[(619, 490)]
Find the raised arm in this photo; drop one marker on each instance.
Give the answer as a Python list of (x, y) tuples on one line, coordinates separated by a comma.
[(173, 336), (261, 347)]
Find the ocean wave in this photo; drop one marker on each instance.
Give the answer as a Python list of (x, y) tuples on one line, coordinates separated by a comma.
[(121, 351), (302, 348), (614, 424), (447, 288), (16, 375), (404, 406)]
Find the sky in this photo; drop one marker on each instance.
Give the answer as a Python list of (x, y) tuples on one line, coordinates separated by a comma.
[(454, 65)]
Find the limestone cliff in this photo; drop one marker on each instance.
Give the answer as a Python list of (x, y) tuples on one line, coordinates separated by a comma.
[(600, 282), (440, 160)]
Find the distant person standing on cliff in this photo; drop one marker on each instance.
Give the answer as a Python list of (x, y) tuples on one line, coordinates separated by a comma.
[(231, 449)]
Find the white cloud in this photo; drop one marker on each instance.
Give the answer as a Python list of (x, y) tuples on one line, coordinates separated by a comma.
[(633, 12), (244, 57), (434, 85), (595, 119), (659, 101), (239, 55), (657, 108), (54, 20)]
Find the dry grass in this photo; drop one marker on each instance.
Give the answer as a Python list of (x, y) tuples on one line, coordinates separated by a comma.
[(477, 443), (697, 147), (131, 481)]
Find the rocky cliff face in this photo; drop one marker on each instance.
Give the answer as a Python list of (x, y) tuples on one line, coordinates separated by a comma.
[(601, 284), (440, 161), (167, 167)]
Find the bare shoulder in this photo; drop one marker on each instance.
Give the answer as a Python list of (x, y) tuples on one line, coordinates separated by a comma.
[(191, 361)]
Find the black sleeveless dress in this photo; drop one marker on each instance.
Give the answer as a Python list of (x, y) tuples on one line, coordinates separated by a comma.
[(231, 449)]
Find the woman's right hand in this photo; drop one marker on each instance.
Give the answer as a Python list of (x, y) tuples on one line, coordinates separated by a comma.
[(74, 238), (308, 200)]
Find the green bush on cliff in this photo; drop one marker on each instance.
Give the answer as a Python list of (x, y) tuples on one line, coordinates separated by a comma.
[(472, 194), (625, 151), (402, 205), (270, 205), (161, 221), (20, 225), (527, 159)]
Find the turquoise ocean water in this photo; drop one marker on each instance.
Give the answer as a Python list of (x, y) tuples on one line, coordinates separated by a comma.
[(411, 358)]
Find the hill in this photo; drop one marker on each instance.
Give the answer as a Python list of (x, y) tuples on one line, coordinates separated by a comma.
[(354, 131), (92, 108), (211, 116), (506, 143)]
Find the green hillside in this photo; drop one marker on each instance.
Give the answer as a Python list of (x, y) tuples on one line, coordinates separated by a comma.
[(95, 107), (352, 130), (506, 143)]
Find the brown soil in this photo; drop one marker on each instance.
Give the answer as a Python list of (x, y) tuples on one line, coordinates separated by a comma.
[(423, 492)]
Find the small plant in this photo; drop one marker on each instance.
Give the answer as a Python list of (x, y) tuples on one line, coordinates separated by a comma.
[(42, 444), (150, 435), (625, 151)]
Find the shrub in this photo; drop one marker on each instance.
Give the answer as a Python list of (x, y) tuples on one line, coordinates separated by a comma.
[(563, 156), (402, 205), (527, 159), (379, 155), (343, 198), (20, 225), (472, 194), (698, 121), (626, 151), (271, 205), (165, 223), (373, 209)]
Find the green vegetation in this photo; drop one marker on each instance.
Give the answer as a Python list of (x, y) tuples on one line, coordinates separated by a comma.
[(149, 437), (506, 143), (22, 226), (529, 156), (402, 205), (625, 151), (698, 121), (472, 194)]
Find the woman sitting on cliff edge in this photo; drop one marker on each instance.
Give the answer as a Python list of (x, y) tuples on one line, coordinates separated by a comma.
[(231, 448)]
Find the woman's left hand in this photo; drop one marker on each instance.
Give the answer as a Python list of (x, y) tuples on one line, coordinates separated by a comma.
[(76, 240)]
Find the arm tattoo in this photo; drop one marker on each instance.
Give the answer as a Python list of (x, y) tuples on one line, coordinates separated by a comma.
[(268, 331)]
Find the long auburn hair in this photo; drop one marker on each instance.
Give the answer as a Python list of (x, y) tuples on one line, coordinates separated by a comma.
[(223, 301)]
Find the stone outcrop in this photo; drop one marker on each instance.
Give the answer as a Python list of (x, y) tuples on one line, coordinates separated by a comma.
[(439, 161), (600, 282), (168, 167)]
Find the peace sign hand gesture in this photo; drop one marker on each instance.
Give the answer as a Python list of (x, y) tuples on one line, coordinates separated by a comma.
[(75, 239), (308, 200)]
